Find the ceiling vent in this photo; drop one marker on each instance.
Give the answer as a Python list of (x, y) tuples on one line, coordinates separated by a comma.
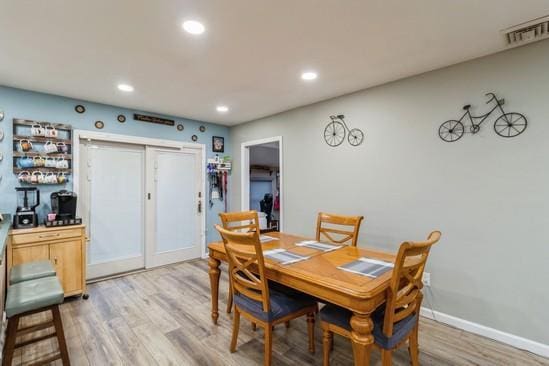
[(524, 33)]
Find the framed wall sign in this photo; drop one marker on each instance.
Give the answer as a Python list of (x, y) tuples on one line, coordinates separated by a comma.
[(153, 119), (218, 144)]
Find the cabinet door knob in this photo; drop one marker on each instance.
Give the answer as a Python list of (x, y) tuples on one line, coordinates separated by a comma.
[(55, 260)]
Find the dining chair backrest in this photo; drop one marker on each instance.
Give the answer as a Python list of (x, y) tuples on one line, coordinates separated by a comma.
[(245, 255), (245, 221), (338, 229), (404, 293)]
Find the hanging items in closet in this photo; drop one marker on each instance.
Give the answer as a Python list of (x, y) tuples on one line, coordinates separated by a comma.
[(218, 173)]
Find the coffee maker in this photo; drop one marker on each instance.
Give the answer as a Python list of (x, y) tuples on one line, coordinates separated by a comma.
[(28, 198), (63, 204)]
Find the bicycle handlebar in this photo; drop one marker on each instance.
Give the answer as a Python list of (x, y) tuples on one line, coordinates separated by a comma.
[(492, 97)]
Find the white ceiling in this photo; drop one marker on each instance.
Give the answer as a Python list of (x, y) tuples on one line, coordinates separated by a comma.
[(252, 53)]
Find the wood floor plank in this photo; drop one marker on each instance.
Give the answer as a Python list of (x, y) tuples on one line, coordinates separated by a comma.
[(162, 317)]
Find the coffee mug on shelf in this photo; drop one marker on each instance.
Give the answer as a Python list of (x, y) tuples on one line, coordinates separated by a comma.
[(50, 147), (51, 216), (50, 163), (37, 177), (50, 178), (24, 177), (38, 130), (62, 148), (62, 178), (62, 163), (39, 161), (50, 131), (25, 162), (25, 145)]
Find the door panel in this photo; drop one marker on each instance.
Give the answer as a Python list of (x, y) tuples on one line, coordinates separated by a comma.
[(30, 254), (115, 177), (175, 205), (67, 259)]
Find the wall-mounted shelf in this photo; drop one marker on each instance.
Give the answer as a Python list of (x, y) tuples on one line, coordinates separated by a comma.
[(31, 154), (30, 123), (41, 139), (42, 170), (22, 130)]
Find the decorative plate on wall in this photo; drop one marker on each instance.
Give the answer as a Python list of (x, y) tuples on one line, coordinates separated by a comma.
[(1, 115), (202, 128), (194, 138), (99, 124), (180, 127), (80, 108), (121, 118), (1, 134)]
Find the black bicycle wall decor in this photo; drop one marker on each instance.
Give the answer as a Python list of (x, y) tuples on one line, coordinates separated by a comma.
[(506, 125), (335, 132)]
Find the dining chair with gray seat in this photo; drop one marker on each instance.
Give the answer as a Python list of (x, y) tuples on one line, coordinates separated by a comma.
[(254, 299), (397, 321)]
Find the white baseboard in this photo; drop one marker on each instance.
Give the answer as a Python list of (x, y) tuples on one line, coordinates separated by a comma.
[(507, 338)]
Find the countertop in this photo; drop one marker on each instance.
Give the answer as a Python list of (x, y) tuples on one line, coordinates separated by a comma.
[(5, 227)]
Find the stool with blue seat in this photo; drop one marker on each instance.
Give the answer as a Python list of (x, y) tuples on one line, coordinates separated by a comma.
[(254, 299), (398, 320), (30, 297), (31, 271)]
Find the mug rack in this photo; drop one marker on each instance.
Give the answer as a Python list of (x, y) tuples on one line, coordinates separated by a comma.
[(33, 156)]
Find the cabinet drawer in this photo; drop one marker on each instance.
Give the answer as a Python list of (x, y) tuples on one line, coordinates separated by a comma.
[(45, 236)]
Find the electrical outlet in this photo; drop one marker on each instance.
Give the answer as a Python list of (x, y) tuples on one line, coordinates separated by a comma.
[(426, 279)]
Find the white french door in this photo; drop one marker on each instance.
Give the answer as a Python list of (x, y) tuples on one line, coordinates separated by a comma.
[(174, 205), (142, 205), (115, 181)]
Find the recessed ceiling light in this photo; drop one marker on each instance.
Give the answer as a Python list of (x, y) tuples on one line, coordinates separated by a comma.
[(193, 27), (125, 87), (309, 75), (222, 108)]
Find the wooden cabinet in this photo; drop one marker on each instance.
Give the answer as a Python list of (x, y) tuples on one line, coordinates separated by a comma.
[(65, 247)]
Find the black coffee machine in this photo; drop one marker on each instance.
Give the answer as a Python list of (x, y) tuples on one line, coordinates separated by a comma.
[(63, 204), (28, 198)]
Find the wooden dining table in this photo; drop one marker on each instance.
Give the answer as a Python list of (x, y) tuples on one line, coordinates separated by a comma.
[(319, 276)]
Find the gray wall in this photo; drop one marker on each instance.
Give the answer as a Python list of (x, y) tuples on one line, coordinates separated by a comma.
[(488, 195)]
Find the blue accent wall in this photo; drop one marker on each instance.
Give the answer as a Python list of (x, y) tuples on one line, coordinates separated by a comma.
[(17, 103)]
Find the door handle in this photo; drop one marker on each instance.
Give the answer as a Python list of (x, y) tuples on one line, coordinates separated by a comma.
[(199, 206)]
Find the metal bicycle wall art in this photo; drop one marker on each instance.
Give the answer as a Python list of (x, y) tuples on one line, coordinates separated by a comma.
[(506, 125), (337, 129)]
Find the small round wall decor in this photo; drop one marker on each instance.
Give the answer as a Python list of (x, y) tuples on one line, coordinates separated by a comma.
[(180, 127), (121, 118), (1, 115), (202, 129), (80, 108), (194, 138), (99, 125)]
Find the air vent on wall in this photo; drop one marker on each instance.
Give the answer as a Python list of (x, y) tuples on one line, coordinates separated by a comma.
[(534, 30)]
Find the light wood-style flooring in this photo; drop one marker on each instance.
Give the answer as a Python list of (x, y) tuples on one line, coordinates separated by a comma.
[(162, 317)]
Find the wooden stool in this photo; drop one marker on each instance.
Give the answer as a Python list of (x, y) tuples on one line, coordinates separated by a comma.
[(31, 297)]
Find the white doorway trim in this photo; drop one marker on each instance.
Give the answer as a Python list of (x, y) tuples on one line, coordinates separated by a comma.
[(245, 174), (144, 141)]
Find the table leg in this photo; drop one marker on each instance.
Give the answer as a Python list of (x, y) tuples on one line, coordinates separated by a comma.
[(362, 338), (214, 283)]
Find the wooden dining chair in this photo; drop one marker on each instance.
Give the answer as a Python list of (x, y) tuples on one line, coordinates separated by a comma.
[(329, 227), (244, 221), (254, 299), (398, 320)]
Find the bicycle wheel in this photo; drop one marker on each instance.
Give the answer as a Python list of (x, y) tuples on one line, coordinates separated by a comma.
[(451, 131), (510, 124), (355, 137), (334, 133)]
